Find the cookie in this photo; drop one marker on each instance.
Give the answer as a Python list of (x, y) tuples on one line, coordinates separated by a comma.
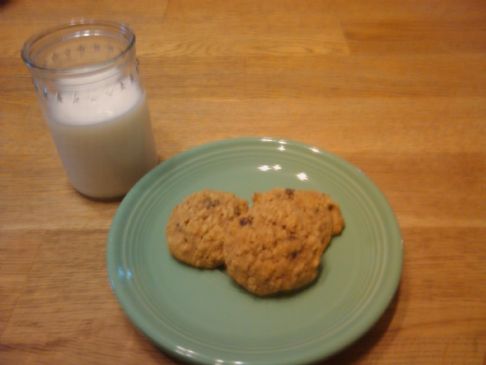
[(274, 248), (277, 246), (196, 229), (319, 208)]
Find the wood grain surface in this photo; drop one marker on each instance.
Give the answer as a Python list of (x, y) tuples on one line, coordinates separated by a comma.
[(398, 88)]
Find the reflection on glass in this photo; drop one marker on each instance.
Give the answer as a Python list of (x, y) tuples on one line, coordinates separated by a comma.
[(266, 139), (282, 141), (277, 167), (302, 176), (281, 148), (314, 149)]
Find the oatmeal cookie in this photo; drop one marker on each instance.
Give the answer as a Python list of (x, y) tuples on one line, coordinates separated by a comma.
[(273, 248), (196, 228), (320, 210)]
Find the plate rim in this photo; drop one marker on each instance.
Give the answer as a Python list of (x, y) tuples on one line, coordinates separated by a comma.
[(168, 344)]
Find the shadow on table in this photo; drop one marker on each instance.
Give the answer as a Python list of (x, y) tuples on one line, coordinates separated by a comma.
[(4, 3)]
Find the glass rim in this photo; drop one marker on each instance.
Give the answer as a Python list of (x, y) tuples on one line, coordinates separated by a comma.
[(119, 27)]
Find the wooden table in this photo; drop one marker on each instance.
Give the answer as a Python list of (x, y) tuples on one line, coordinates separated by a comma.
[(397, 88)]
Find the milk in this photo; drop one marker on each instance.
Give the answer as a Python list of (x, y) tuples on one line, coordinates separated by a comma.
[(103, 136)]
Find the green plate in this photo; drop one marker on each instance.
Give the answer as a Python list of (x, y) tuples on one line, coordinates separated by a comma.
[(201, 316)]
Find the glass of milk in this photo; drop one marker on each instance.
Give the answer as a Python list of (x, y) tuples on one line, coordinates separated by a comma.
[(86, 78)]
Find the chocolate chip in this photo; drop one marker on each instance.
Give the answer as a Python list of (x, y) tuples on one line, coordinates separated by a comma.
[(209, 203), (246, 220), (294, 254), (290, 192)]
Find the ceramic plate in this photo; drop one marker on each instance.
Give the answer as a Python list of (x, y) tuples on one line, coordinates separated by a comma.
[(201, 316)]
